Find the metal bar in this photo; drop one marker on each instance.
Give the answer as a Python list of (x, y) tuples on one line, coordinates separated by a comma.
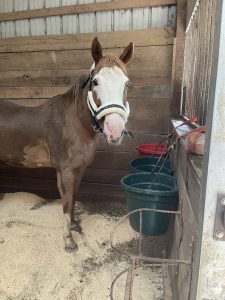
[(130, 281), (125, 271), (141, 257), (140, 233), (114, 281)]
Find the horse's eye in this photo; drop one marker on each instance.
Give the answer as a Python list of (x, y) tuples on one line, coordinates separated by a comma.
[(128, 84), (95, 82)]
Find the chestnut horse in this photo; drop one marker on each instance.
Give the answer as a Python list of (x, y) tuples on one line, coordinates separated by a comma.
[(61, 133)]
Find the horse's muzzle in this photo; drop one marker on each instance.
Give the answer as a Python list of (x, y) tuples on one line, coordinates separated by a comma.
[(113, 128), (115, 142)]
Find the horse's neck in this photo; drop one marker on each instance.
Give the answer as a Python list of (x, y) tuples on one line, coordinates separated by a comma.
[(77, 106)]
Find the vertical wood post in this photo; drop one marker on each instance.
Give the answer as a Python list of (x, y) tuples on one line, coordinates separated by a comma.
[(178, 58)]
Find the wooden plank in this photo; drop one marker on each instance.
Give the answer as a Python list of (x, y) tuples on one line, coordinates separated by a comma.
[(99, 197), (44, 78), (140, 109), (101, 189), (147, 92), (151, 125), (145, 58), (112, 160), (136, 92), (28, 183), (28, 102), (178, 61), (38, 173), (84, 8), (147, 37), (107, 176), (149, 108), (33, 185), (33, 92), (129, 144)]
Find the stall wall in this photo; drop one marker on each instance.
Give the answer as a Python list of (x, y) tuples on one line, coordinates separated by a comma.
[(199, 39), (33, 69)]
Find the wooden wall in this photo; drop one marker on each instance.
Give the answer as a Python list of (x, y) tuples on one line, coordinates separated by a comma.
[(188, 170), (47, 17), (33, 69)]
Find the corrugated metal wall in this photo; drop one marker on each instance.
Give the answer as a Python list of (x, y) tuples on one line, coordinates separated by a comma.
[(128, 19)]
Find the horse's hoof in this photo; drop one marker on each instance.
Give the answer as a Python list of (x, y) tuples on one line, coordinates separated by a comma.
[(76, 226), (72, 248)]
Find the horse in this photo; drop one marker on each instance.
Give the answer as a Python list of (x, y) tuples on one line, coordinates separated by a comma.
[(62, 133)]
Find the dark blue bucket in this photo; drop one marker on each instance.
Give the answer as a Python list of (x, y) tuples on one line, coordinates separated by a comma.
[(149, 164), (162, 194)]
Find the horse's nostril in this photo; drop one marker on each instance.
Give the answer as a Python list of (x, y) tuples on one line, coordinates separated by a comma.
[(115, 141)]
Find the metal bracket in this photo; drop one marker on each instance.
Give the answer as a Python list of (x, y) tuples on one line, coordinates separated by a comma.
[(219, 225)]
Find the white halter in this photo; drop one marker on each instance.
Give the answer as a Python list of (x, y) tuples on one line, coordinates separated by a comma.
[(107, 108)]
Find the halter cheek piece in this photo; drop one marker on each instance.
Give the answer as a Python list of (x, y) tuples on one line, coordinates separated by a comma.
[(103, 110)]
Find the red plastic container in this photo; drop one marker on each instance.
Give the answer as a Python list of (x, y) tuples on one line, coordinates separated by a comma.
[(152, 149)]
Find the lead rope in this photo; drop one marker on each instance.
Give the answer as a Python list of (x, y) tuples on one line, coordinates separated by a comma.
[(171, 148)]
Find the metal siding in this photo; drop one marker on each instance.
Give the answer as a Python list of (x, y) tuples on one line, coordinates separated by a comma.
[(106, 21), (37, 25), (53, 23)]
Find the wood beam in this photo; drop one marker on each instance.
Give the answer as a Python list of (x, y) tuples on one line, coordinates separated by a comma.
[(83, 8), (178, 58)]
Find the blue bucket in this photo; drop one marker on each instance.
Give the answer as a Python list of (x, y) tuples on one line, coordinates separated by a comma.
[(150, 163), (162, 194)]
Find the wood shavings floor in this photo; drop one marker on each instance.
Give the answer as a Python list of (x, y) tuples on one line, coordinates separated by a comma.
[(34, 265)]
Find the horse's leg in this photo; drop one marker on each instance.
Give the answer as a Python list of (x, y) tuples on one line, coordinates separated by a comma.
[(68, 183)]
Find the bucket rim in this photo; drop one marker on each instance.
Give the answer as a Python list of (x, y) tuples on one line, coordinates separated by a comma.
[(150, 157), (134, 167), (149, 191)]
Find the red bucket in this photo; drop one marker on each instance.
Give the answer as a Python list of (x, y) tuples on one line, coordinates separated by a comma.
[(152, 149)]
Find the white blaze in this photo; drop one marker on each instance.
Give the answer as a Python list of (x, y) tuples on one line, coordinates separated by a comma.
[(110, 89)]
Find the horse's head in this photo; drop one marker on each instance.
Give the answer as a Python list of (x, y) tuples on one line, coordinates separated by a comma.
[(108, 90)]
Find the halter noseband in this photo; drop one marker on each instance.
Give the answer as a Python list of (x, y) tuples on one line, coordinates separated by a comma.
[(103, 110)]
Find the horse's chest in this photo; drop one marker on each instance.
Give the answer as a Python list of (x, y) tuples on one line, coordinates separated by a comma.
[(81, 153), (36, 156)]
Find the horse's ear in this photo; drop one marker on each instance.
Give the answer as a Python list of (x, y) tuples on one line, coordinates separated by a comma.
[(96, 50), (127, 53)]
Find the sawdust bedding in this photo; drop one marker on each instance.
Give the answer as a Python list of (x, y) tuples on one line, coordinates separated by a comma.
[(35, 266)]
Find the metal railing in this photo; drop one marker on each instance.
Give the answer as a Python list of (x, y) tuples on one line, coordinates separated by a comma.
[(198, 61)]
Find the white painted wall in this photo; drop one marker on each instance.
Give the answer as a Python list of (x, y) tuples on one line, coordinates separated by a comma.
[(128, 19)]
